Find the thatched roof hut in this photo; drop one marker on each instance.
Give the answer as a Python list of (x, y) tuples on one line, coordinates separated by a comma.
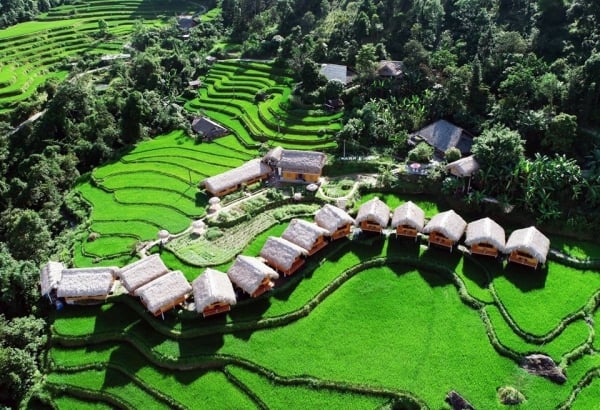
[(387, 68), (373, 211), (250, 274), (409, 214), (463, 167), (335, 72), (50, 275), (141, 272), (212, 287), (231, 180), (529, 241), (208, 128), (485, 230), (86, 283), (164, 292), (283, 255), (305, 162), (443, 135), (304, 234), (449, 223), (332, 218), (273, 156)]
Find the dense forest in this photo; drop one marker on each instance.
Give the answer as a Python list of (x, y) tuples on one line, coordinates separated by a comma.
[(522, 75)]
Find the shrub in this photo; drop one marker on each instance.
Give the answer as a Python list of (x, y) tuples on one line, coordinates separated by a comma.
[(452, 154), (213, 233), (423, 152)]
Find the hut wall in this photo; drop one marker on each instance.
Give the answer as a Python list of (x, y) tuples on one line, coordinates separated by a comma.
[(265, 286), (371, 226), (439, 239), (484, 249), (290, 175), (311, 177), (225, 191), (319, 244), (256, 179), (341, 232), (406, 230), (85, 300), (216, 308), (523, 258)]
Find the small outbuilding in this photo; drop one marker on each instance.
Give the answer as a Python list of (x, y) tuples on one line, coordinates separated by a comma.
[(408, 220), (336, 221), (252, 275), (213, 293), (485, 237), (208, 128), (443, 135), (445, 229), (250, 172), (50, 275), (373, 216), (86, 285), (282, 255), (295, 165), (307, 235), (463, 167), (527, 246), (164, 292), (389, 69), (139, 273)]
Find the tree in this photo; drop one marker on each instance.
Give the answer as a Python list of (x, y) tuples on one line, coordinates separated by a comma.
[(452, 154), (310, 75), (423, 153), (499, 152), (366, 63), (131, 118), (27, 235), (561, 133)]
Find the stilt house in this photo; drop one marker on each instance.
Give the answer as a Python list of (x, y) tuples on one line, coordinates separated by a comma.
[(50, 275), (445, 229), (408, 220), (139, 273), (164, 292), (527, 246), (213, 293), (485, 237), (307, 235), (282, 255), (373, 216), (335, 220), (250, 172), (296, 166), (252, 275), (86, 285)]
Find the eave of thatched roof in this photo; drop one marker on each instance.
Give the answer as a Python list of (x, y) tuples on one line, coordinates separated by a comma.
[(409, 214), (248, 273), (485, 230), (281, 252), (273, 156), (164, 290), (374, 210), (50, 275), (212, 287), (529, 240), (310, 162), (86, 282), (303, 233), (141, 272), (245, 172), (332, 218), (463, 167), (448, 223)]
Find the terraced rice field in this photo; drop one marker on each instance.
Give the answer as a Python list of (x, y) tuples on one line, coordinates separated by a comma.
[(34, 51), (366, 323), (228, 96), (151, 188)]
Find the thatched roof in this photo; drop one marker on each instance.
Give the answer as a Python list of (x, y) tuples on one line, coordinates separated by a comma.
[(463, 167), (311, 162), (281, 252), (448, 223), (164, 290), (485, 230), (212, 287), (443, 135), (529, 240), (389, 68), (374, 210), (332, 218), (50, 275), (141, 272), (245, 172), (273, 156), (303, 233), (82, 282), (248, 273), (409, 214)]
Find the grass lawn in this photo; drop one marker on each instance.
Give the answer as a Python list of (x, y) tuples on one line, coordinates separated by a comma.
[(427, 204)]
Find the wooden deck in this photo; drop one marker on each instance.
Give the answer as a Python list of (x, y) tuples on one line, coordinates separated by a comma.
[(523, 259), (437, 238), (341, 232), (369, 226), (215, 309)]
